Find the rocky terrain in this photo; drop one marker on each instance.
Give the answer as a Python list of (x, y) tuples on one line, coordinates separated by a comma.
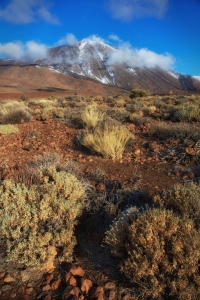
[(163, 150)]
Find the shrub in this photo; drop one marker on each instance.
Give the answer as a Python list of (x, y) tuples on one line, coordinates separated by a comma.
[(184, 199), (50, 112), (91, 116), (159, 252), (8, 129), (120, 102), (189, 113), (17, 115), (175, 131), (32, 220), (138, 93), (107, 139)]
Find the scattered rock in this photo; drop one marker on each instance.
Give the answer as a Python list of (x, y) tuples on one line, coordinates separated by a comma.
[(97, 293), (110, 285), (6, 287), (190, 151), (77, 271), (46, 288), (69, 279), (29, 290), (112, 295), (25, 275), (86, 285), (55, 285), (2, 274), (8, 278)]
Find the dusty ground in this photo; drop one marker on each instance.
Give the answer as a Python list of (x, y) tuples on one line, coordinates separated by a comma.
[(141, 160)]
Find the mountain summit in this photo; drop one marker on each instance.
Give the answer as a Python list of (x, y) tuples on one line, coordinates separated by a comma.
[(92, 60)]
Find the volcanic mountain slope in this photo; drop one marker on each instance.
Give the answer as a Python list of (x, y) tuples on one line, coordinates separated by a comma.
[(90, 60)]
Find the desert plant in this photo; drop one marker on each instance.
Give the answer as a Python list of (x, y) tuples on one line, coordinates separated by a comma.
[(18, 115), (8, 129), (34, 219), (107, 139), (51, 112), (181, 131), (189, 113), (91, 116), (159, 252), (138, 93), (183, 199)]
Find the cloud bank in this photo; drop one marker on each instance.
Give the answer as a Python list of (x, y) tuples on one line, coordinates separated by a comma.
[(124, 54), (140, 58), (27, 11), (126, 10), (29, 51)]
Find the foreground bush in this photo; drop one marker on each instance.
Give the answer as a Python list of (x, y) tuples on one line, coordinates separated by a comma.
[(18, 115), (184, 199), (138, 93), (159, 252), (8, 129), (108, 140), (42, 217)]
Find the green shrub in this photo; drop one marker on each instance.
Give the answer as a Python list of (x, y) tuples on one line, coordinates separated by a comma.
[(8, 129), (189, 113), (107, 139), (159, 252), (91, 116), (183, 199), (138, 93), (39, 217)]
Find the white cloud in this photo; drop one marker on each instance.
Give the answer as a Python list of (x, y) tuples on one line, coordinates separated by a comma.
[(27, 11), (69, 39), (126, 10), (17, 50), (114, 38), (140, 58)]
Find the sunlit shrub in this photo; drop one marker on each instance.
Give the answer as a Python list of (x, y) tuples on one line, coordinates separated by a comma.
[(159, 252)]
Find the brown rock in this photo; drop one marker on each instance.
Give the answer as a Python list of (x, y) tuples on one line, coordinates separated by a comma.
[(86, 285), (48, 279), (190, 151), (8, 278), (13, 295), (112, 295), (29, 290), (77, 271), (46, 288), (137, 151), (101, 187), (69, 292), (191, 175), (69, 279), (2, 274), (6, 287), (56, 284), (97, 293), (47, 297), (50, 262), (110, 285), (25, 275)]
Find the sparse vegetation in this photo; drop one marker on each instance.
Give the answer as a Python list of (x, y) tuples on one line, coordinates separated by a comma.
[(91, 116), (34, 218), (158, 252), (8, 129), (107, 140), (138, 93)]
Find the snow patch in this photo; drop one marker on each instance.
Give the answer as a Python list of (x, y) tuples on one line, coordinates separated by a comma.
[(173, 74), (131, 70)]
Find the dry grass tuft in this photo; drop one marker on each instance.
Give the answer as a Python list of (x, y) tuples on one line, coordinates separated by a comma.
[(108, 140), (8, 129), (91, 116)]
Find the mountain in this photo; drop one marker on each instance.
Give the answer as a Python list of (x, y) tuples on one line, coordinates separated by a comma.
[(90, 60)]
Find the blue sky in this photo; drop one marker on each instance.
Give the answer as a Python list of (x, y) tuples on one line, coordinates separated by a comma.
[(165, 32)]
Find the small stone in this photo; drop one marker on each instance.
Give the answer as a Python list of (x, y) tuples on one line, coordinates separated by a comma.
[(6, 287), (190, 151), (110, 285), (101, 187), (77, 271), (137, 151), (29, 291), (98, 293), (86, 285), (2, 274), (112, 295), (8, 278), (46, 288), (48, 279), (69, 279), (56, 284), (13, 295)]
